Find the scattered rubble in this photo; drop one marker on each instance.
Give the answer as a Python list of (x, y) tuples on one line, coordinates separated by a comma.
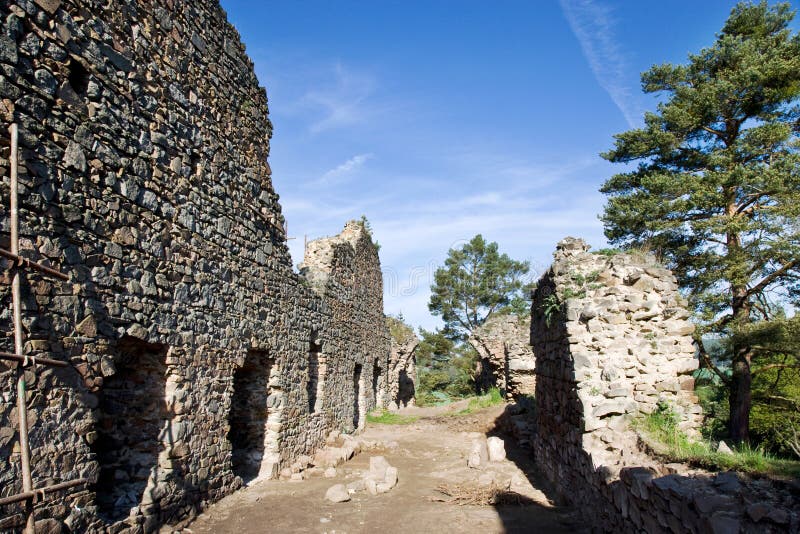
[(479, 454), (337, 493), (485, 450), (339, 449), (382, 477), (497, 449)]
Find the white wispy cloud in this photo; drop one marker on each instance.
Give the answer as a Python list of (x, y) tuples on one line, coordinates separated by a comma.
[(414, 246), (341, 100), (344, 170), (527, 206), (593, 26)]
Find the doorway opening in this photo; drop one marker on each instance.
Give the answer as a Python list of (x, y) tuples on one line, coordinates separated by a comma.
[(315, 386), (248, 414), (357, 402), (376, 384), (131, 414)]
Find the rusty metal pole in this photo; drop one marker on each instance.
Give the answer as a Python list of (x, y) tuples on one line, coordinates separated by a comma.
[(22, 409)]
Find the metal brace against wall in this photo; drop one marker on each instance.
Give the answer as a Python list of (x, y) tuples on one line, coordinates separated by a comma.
[(29, 495)]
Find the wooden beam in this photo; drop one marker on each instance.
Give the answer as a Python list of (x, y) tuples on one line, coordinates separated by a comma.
[(32, 359), (19, 260), (41, 493)]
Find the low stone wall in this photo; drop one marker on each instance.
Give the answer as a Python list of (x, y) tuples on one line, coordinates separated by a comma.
[(198, 358), (612, 340), (642, 500), (506, 357)]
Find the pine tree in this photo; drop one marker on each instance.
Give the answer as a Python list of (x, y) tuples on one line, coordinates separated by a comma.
[(475, 282), (716, 191)]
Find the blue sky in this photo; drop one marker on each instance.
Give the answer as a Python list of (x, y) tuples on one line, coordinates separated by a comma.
[(439, 120)]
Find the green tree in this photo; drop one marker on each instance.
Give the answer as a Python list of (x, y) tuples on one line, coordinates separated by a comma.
[(444, 368), (475, 282), (717, 188), (434, 348), (368, 228)]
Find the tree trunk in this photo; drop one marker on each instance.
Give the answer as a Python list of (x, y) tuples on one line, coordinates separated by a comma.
[(739, 400), (739, 397)]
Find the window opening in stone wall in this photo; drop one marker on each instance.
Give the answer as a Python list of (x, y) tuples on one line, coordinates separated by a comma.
[(195, 164), (376, 378), (316, 377), (248, 414), (356, 397), (131, 413), (78, 77)]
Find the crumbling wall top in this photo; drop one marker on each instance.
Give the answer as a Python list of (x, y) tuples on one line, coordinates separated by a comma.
[(612, 339), (320, 254)]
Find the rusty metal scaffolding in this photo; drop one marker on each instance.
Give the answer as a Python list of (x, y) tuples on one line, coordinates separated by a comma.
[(29, 494)]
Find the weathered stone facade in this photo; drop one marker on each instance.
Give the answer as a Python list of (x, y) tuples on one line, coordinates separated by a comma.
[(506, 357), (345, 271), (612, 340), (401, 389), (199, 359)]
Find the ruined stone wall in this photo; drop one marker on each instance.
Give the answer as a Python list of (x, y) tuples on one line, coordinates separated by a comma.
[(345, 271), (612, 340), (402, 378), (144, 176), (506, 358)]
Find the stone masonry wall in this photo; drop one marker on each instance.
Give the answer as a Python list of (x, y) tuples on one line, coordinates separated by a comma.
[(345, 271), (612, 340), (402, 378), (507, 360), (144, 141)]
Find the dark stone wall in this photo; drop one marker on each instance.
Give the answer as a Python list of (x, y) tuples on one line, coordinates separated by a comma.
[(144, 141)]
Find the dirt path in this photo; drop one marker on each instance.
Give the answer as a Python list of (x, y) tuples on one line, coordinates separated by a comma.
[(431, 452)]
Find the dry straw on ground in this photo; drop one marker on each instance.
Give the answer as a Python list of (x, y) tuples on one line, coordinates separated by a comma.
[(471, 494)]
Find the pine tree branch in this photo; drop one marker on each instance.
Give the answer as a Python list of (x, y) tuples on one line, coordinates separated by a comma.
[(774, 275), (776, 366), (708, 362), (718, 133), (786, 400)]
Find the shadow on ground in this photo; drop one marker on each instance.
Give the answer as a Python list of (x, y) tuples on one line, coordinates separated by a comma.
[(523, 515)]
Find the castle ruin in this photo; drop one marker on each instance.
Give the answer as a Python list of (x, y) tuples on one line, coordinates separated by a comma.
[(612, 340), (197, 359), (506, 358)]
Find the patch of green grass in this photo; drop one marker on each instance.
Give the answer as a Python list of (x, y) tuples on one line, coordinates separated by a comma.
[(572, 293), (493, 397), (661, 427), (578, 278), (607, 252), (432, 398), (385, 417)]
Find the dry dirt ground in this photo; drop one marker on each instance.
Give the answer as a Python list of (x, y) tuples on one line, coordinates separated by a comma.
[(428, 454)]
